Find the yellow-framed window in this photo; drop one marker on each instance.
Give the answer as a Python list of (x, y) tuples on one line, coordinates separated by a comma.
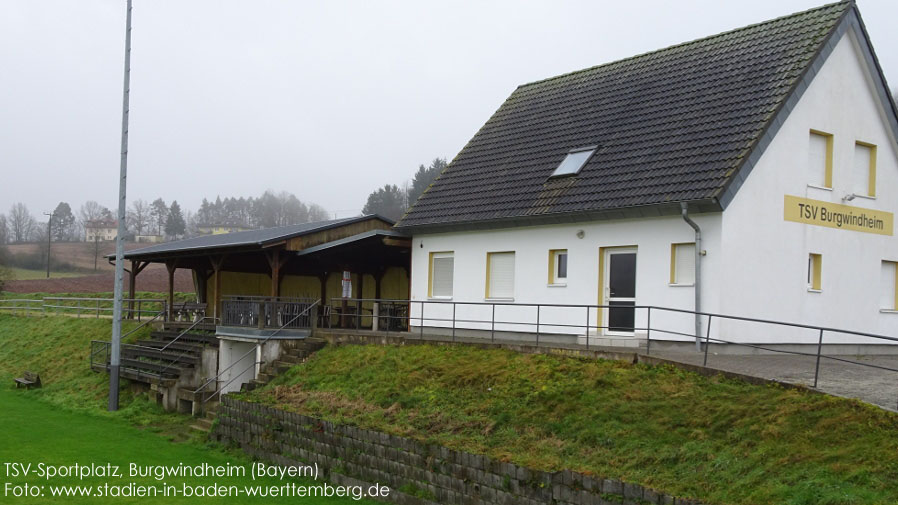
[(888, 299), (558, 267), (864, 169), (820, 159), (682, 264), (815, 272)]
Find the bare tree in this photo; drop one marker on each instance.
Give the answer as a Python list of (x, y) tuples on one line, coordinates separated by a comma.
[(21, 223), (317, 213), (4, 234), (92, 211), (139, 216)]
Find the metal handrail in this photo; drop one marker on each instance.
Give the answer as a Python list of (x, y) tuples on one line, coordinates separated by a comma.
[(145, 323), (232, 379), (266, 339), (540, 324), (192, 326), (185, 353), (634, 307)]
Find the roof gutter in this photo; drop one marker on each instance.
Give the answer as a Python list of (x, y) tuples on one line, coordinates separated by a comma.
[(698, 273)]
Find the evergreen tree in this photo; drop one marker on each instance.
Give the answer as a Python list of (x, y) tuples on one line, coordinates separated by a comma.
[(159, 213), (63, 222), (388, 201), (424, 177), (175, 225)]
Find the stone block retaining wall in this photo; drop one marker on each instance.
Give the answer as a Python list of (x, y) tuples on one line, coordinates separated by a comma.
[(417, 473)]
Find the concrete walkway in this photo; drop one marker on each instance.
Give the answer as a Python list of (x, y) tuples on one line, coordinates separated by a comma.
[(872, 385)]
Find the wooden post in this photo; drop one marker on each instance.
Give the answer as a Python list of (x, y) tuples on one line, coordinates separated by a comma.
[(132, 277), (217, 262), (359, 304), (378, 277), (202, 285), (274, 263), (323, 279), (171, 266), (375, 322), (136, 268)]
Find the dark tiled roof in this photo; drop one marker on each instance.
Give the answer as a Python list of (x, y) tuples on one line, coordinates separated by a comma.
[(244, 238), (672, 125)]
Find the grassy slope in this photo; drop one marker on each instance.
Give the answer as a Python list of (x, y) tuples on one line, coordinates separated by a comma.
[(58, 349), (718, 440), (33, 432)]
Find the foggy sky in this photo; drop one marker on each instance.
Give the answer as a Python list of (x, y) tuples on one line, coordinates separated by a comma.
[(327, 100)]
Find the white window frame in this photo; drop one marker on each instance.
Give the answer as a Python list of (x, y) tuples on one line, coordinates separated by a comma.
[(432, 278), (675, 256), (490, 278), (556, 280)]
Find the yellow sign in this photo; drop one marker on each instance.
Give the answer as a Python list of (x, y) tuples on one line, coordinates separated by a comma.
[(833, 215)]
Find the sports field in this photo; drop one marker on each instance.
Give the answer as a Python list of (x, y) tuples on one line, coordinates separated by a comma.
[(35, 432)]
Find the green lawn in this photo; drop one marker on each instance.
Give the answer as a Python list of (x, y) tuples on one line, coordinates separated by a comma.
[(32, 431), (66, 421), (721, 441)]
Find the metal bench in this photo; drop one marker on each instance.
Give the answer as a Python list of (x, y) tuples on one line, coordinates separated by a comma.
[(28, 380)]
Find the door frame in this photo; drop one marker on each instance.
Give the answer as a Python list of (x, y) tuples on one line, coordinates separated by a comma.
[(604, 278)]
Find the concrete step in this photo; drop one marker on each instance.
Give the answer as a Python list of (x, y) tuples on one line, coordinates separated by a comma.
[(202, 424), (166, 357), (282, 366), (194, 347), (194, 337), (156, 368)]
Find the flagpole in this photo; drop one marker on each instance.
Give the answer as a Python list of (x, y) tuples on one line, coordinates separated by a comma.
[(115, 351)]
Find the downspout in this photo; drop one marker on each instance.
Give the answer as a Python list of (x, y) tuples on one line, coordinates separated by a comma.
[(698, 274)]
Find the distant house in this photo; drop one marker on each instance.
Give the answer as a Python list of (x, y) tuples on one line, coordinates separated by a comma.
[(218, 229), (754, 172), (100, 230)]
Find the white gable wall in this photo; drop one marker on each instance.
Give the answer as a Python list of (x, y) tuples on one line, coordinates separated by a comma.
[(764, 265)]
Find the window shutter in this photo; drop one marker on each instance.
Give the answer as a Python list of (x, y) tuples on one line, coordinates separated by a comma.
[(685, 266), (817, 160), (443, 267), (502, 275), (888, 298), (861, 172)]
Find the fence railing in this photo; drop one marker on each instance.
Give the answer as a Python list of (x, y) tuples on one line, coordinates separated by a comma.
[(592, 325), (132, 308), (22, 306), (266, 312)]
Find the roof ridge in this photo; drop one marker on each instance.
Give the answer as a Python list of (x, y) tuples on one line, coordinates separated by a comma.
[(846, 3)]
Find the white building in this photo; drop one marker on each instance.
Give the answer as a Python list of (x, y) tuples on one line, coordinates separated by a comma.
[(100, 230), (779, 141)]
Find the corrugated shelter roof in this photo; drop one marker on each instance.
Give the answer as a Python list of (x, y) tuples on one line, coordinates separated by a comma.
[(241, 239), (674, 125)]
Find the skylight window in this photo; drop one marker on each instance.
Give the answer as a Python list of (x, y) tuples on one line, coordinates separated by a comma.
[(574, 161)]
